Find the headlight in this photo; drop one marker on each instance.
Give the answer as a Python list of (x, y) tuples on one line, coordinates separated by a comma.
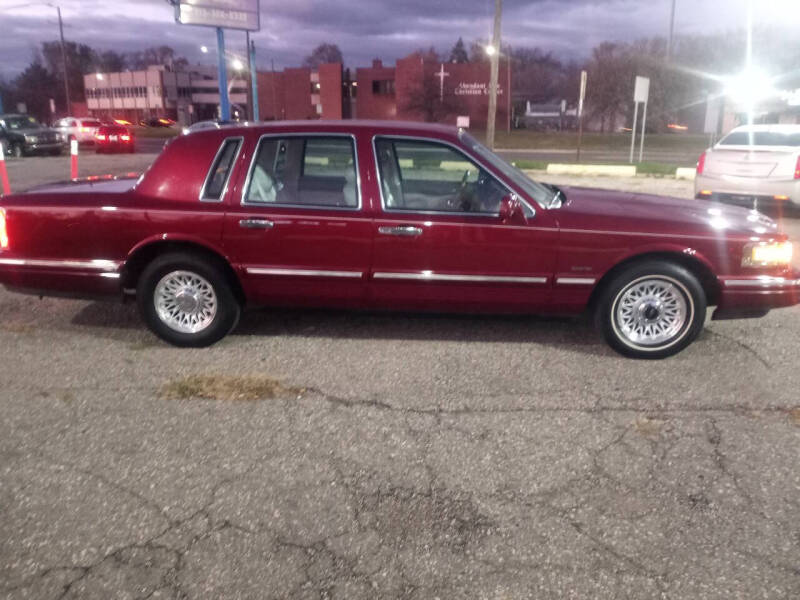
[(31, 138), (767, 254)]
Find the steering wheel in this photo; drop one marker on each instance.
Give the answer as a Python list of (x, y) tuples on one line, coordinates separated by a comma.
[(464, 178)]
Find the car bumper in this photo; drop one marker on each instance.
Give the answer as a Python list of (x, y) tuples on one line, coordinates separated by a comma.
[(755, 296), (40, 147), (744, 190)]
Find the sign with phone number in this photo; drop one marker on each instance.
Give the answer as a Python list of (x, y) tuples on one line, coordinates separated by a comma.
[(228, 14)]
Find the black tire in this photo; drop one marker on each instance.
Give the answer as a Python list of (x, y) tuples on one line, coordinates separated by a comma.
[(227, 311), (57, 152), (16, 150), (625, 317)]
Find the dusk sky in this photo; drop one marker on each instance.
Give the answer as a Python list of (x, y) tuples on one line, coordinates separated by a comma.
[(367, 29)]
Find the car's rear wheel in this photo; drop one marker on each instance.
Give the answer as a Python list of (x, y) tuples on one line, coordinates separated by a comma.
[(186, 300), (652, 309)]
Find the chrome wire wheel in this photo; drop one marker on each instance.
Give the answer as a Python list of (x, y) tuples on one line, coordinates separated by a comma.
[(185, 302), (652, 312)]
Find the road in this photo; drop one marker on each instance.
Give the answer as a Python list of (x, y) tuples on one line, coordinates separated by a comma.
[(318, 454)]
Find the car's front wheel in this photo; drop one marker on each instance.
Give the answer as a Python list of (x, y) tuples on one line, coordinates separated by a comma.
[(16, 150), (186, 300), (652, 309)]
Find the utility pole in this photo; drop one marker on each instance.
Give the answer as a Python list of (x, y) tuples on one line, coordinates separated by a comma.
[(670, 39), (251, 58), (494, 60), (222, 68), (68, 108)]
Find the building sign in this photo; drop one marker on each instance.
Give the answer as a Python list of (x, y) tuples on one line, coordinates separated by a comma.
[(475, 89), (228, 14)]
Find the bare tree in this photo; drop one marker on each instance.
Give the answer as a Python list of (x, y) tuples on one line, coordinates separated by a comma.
[(322, 54)]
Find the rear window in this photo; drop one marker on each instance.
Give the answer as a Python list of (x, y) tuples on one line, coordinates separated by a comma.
[(761, 138), (112, 129), (220, 170)]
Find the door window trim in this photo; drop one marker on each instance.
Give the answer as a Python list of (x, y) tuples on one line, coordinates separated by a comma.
[(240, 142), (455, 147), (309, 134)]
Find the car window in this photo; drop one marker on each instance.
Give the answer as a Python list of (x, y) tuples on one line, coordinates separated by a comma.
[(430, 176), (761, 138), (220, 170), (22, 123), (304, 170)]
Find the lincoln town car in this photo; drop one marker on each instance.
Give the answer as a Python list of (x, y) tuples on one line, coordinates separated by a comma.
[(387, 216)]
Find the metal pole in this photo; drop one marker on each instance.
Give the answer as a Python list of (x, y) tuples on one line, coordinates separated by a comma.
[(224, 101), (254, 81), (641, 142), (494, 63), (633, 129), (581, 98), (250, 75), (671, 32), (68, 108), (508, 86)]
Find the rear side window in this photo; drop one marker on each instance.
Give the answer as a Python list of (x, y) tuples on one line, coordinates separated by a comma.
[(761, 138), (311, 171), (220, 171)]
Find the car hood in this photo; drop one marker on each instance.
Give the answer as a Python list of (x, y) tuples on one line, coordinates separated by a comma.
[(35, 130), (606, 210)]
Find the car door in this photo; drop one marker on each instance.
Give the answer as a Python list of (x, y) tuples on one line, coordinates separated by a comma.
[(439, 240), (296, 227)]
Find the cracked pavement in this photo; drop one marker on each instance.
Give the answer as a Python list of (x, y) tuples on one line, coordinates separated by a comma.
[(414, 457), (423, 457)]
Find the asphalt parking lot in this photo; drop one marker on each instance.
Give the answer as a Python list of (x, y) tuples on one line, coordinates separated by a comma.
[(317, 454)]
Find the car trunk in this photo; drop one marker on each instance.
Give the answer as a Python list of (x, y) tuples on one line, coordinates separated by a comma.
[(746, 161)]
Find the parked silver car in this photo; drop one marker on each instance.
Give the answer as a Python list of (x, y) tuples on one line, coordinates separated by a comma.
[(82, 129), (752, 166)]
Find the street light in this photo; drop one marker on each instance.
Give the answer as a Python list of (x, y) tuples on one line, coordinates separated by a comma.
[(204, 49), (237, 64)]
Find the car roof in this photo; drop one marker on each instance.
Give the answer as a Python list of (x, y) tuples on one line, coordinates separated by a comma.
[(347, 125), (773, 128)]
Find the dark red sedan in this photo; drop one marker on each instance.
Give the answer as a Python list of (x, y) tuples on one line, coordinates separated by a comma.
[(114, 138), (388, 216)]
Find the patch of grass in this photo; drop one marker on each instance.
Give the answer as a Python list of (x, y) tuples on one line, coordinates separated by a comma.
[(568, 140), (225, 388), (654, 168), (648, 427), (794, 415)]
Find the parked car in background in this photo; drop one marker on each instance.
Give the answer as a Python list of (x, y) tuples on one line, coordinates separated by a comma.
[(22, 135), (114, 138), (211, 124), (157, 122), (752, 166), (388, 215), (78, 128)]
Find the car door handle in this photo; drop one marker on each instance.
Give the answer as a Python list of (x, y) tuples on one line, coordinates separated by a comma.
[(256, 224), (402, 230)]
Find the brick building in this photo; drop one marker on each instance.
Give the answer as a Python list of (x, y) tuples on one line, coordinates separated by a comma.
[(415, 89)]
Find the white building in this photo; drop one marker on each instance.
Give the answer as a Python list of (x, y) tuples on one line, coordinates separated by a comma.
[(186, 95)]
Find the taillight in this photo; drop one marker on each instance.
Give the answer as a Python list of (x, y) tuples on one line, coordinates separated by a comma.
[(3, 231), (701, 163), (797, 169), (125, 138), (101, 137)]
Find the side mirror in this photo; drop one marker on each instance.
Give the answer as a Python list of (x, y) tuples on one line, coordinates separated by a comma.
[(511, 210)]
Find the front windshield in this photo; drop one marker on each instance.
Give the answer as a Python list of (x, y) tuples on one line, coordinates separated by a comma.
[(21, 123), (543, 195)]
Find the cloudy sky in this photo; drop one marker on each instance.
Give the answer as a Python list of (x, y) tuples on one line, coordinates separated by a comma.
[(366, 29)]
